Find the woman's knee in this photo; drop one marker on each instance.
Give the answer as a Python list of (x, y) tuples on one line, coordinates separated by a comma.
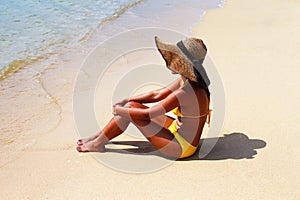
[(137, 122)]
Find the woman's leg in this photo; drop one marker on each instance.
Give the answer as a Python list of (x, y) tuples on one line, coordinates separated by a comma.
[(154, 130), (163, 121)]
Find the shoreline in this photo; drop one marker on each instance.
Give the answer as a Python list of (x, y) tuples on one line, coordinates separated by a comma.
[(46, 86), (50, 167)]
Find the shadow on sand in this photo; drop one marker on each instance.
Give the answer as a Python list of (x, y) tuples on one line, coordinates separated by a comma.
[(231, 146)]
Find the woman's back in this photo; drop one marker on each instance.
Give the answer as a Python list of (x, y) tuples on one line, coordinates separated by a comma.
[(194, 110)]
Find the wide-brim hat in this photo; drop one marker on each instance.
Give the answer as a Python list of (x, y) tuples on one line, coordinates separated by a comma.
[(186, 58)]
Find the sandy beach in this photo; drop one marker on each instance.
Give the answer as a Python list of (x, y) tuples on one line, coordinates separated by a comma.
[(255, 47)]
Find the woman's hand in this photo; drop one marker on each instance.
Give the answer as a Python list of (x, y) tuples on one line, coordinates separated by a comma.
[(114, 112), (121, 103)]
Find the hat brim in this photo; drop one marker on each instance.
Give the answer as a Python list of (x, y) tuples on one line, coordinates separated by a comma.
[(175, 59)]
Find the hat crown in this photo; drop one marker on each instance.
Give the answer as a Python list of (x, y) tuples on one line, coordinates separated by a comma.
[(196, 47), (182, 61)]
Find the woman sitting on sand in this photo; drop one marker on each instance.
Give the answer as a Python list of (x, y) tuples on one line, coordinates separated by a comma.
[(188, 98)]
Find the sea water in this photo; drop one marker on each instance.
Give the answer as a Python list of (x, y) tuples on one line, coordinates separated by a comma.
[(32, 30)]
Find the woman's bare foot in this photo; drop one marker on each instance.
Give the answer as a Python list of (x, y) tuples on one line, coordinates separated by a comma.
[(90, 147), (86, 140)]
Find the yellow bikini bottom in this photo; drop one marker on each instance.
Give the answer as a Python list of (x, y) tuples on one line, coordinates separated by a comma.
[(186, 147)]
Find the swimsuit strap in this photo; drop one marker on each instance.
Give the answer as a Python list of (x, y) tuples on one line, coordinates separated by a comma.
[(179, 114), (205, 114), (208, 113)]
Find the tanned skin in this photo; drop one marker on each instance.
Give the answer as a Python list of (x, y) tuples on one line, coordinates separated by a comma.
[(152, 121)]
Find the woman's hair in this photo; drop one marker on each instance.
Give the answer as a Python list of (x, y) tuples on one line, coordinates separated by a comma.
[(207, 93)]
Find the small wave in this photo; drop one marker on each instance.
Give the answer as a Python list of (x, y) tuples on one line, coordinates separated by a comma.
[(16, 65), (108, 19)]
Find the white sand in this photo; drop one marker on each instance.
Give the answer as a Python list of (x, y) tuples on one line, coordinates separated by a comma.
[(255, 46)]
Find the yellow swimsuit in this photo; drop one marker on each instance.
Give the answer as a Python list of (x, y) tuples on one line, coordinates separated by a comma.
[(187, 148)]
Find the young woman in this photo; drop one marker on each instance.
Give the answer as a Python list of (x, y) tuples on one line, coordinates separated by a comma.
[(188, 98)]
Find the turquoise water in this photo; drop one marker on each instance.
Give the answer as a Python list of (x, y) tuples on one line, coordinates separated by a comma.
[(34, 29)]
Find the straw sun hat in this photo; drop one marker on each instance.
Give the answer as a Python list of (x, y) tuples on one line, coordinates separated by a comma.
[(186, 58)]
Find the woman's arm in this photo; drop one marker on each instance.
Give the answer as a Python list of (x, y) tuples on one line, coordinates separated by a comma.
[(166, 105), (153, 96)]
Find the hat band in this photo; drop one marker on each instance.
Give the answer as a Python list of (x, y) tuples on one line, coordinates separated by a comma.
[(199, 70)]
